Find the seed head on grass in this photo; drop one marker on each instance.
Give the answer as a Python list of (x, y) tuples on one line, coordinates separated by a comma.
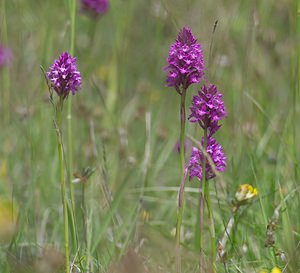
[(5, 56), (96, 7), (218, 158), (64, 76), (208, 108), (185, 61)]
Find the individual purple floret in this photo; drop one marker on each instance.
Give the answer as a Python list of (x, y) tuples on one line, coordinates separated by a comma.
[(64, 76), (215, 151), (186, 62), (208, 108), (5, 56), (98, 7)]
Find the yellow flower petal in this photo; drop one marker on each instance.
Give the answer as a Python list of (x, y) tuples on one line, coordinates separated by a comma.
[(276, 270), (245, 192)]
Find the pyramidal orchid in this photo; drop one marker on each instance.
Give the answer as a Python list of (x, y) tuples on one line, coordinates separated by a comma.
[(64, 75), (217, 157), (207, 110), (185, 61), (64, 78), (185, 67)]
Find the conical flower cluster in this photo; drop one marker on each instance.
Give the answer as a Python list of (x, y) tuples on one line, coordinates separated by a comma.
[(217, 156), (207, 110), (64, 76), (186, 62)]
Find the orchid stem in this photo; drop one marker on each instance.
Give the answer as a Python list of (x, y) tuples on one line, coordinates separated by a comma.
[(182, 165), (202, 190), (211, 226), (205, 188)]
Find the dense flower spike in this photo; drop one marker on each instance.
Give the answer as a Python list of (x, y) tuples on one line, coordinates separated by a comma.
[(5, 56), (215, 151), (186, 62), (98, 7), (208, 108), (64, 76)]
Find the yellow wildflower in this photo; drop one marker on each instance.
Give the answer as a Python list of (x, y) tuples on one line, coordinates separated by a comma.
[(245, 192), (8, 220), (145, 215), (276, 270)]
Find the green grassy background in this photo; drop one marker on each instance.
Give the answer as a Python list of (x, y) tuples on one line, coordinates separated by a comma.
[(121, 58)]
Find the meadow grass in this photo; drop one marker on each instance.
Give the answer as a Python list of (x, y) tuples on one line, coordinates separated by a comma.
[(125, 124)]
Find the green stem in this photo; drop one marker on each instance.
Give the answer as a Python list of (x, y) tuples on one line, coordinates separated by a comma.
[(85, 224), (202, 189), (199, 224), (6, 72), (62, 181), (72, 10), (179, 219), (73, 16), (178, 224), (211, 227), (182, 166), (205, 187), (72, 5), (84, 220), (298, 48), (296, 90), (182, 163), (182, 130)]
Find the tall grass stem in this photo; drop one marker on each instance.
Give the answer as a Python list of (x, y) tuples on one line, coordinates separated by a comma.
[(205, 188), (62, 181), (6, 73), (202, 190), (72, 11), (72, 7), (211, 226), (296, 90)]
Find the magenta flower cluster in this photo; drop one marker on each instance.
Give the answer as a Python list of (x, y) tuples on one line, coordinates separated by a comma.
[(185, 61), (5, 56), (64, 76), (208, 108), (98, 7), (185, 67), (217, 156)]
